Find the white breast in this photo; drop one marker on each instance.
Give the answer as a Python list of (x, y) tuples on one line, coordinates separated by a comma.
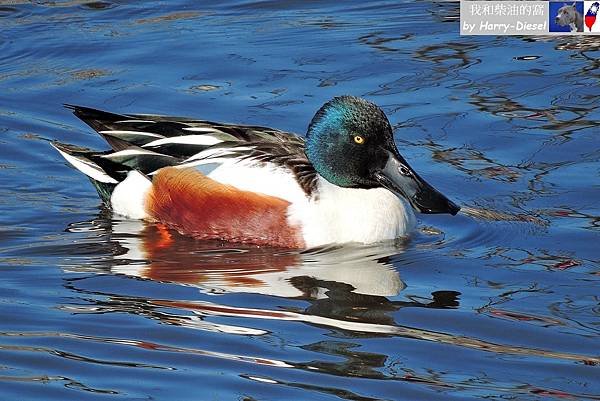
[(340, 215)]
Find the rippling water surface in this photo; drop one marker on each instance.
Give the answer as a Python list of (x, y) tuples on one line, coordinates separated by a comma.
[(499, 302)]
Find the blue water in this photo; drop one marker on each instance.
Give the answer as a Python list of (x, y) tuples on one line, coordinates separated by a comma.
[(499, 302)]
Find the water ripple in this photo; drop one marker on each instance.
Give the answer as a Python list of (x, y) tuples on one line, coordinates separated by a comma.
[(498, 302)]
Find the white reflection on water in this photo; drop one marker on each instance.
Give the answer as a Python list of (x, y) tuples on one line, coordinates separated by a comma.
[(348, 287)]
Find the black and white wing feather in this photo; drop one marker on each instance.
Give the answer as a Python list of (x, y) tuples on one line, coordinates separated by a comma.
[(149, 142)]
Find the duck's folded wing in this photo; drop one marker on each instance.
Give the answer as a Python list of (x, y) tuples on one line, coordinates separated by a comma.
[(184, 142), (159, 132)]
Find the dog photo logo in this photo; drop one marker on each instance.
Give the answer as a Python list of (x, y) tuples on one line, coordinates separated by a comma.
[(566, 17), (591, 9)]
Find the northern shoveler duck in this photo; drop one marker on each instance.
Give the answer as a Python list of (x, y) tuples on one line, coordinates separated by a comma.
[(346, 182)]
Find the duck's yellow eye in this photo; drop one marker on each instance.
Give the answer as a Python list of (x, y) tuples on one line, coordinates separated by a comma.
[(359, 139)]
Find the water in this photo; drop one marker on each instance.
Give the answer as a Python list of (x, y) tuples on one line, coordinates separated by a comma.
[(500, 302)]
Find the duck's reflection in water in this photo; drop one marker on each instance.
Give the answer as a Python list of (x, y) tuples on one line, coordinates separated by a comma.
[(162, 255), (351, 287), (350, 290)]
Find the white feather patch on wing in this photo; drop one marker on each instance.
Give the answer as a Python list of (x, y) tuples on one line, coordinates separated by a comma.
[(129, 197), (186, 139), (203, 129), (129, 152), (126, 132), (87, 167), (218, 152)]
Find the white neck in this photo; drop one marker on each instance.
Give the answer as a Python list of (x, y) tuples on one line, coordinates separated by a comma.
[(340, 215)]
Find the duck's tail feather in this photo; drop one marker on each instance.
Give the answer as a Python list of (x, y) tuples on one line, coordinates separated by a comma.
[(81, 158), (119, 130), (156, 133), (107, 169), (97, 119)]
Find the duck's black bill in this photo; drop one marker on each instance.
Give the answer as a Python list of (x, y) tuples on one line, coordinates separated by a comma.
[(401, 179)]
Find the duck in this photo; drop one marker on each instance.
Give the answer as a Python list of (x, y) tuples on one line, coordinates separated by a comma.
[(344, 182)]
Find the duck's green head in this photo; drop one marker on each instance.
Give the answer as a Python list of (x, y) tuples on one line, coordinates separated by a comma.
[(350, 143)]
